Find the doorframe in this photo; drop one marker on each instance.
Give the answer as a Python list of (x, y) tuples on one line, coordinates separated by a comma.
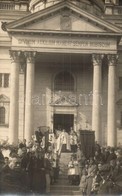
[(65, 110), (60, 119)]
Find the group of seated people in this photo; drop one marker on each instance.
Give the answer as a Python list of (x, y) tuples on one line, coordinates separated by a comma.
[(100, 174)]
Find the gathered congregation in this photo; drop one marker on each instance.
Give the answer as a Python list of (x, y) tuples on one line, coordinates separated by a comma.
[(98, 175), (32, 167)]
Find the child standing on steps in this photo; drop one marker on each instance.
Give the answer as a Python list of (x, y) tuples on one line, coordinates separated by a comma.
[(73, 170)]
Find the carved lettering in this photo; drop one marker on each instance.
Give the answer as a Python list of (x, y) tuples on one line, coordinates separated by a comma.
[(27, 41), (64, 43), (100, 44)]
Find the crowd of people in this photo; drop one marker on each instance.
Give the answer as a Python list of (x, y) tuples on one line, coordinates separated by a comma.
[(28, 168), (100, 174), (32, 167)]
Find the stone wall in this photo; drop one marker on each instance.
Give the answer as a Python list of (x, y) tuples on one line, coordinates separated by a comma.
[(5, 68), (83, 74), (44, 77)]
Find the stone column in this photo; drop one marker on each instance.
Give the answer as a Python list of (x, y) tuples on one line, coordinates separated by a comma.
[(96, 105), (30, 56), (111, 120), (14, 98)]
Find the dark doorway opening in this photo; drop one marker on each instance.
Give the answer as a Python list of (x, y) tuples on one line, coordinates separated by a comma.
[(63, 121)]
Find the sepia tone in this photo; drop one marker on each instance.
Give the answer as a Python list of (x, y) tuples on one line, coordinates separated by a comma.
[(61, 70)]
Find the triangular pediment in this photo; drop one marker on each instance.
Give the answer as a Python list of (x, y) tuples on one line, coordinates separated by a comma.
[(64, 16), (64, 101), (4, 99)]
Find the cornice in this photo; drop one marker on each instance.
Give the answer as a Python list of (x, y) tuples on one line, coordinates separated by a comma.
[(66, 33), (41, 15)]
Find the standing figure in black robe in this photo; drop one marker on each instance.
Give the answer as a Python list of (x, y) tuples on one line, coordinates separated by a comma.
[(39, 179), (39, 135)]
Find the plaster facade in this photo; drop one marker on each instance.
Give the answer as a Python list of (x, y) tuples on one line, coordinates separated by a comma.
[(61, 38)]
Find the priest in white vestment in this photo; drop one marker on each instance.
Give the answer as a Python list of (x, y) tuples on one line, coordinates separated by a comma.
[(63, 142)]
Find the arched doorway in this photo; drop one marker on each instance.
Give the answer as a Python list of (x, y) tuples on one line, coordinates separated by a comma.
[(63, 121)]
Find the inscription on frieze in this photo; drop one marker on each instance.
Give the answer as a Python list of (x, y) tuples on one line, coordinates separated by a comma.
[(51, 42)]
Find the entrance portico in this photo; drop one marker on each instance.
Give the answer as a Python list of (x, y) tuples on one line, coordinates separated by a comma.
[(96, 105), (34, 42)]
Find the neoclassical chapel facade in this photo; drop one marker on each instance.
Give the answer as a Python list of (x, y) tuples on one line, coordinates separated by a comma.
[(61, 66)]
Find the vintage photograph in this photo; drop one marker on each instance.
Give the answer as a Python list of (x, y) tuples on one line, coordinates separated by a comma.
[(60, 97)]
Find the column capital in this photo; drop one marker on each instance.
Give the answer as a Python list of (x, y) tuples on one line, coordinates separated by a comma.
[(30, 56), (15, 55), (97, 59), (112, 59)]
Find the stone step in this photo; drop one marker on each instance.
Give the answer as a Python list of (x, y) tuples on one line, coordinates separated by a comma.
[(76, 193), (62, 182), (64, 192), (63, 164), (64, 187), (65, 158)]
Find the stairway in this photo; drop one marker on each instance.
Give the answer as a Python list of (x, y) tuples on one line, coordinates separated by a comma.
[(62, 187)]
